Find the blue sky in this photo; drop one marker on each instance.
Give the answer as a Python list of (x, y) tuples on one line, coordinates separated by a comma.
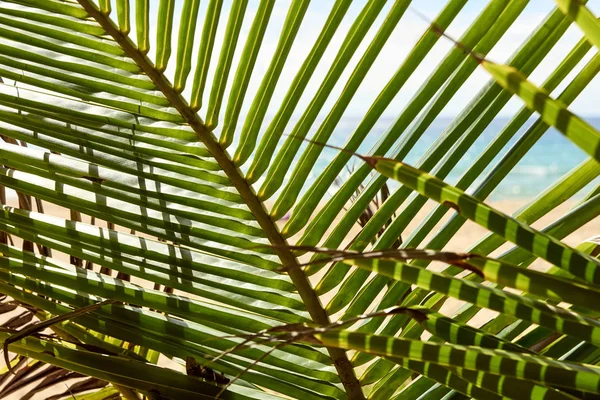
[(402, 40)]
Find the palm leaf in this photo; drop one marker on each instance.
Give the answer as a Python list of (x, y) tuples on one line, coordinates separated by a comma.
[(176, 133)]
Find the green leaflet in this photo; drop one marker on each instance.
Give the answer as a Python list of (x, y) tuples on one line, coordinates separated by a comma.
[(411, 329), (537, 283), (100, 285), (122, 371), (232, 33), (583, 17), (266, 148), (480, 384), (105, 6), (244, 71), (89, 67), (495, 299), (458, 333), (503, 167), (113, 139), (209, 30), (310, 155), (146, 253), (244, 295), (123, 16), (387, 386), (164, 28), (537, 243), (154, 330), (41, 325), (134, 324), (100, 394), (442, 375), (85, 40), (476, 33), (285, 156), (37, 15), (58, 7), (553, 112), (529, 367), (259, 106), (142, 25), (454, 133), (42, 46), (185, 42)]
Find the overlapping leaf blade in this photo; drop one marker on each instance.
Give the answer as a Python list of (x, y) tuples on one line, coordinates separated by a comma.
[(115, 140)]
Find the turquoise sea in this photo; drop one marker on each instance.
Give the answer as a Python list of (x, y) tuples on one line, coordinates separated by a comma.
[(549, 159)]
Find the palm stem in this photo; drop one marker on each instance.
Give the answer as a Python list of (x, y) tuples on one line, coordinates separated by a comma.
[(289, 261)]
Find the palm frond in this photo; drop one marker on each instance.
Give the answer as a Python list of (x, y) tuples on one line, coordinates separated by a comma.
[(192, 136)]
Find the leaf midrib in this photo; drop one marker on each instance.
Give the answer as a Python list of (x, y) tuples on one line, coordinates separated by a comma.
[(289, 261)]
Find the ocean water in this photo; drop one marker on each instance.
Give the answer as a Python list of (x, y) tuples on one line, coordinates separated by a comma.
[(550, 158)]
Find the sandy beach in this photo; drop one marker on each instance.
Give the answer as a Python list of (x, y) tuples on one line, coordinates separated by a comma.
[(469, 234)]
